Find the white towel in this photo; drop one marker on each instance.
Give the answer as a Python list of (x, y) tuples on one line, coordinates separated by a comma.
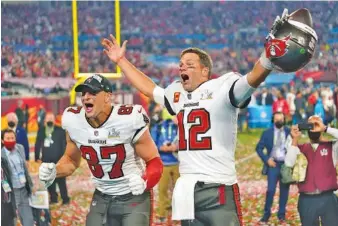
[(183, 198)]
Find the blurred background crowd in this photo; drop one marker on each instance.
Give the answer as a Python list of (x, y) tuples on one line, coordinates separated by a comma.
[(37, 64), (42, 46)]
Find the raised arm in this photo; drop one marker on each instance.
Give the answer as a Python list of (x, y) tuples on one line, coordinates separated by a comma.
[(320, 127), (293, 150), (246, 85), (117, 55)]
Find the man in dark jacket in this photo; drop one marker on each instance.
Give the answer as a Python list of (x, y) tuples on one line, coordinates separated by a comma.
[(276, 140), (20, 114), (265, 98), (51, 140), (8, 206)]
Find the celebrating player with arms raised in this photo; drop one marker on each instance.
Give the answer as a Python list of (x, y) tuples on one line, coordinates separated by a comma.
[(115, 141), (207, 192)]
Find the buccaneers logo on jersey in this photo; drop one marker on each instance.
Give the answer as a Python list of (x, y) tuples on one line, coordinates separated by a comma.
[(277, 47)]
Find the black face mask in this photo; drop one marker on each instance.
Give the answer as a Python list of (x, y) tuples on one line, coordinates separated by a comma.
[(279, 124), (314, 136), (11, 124), (50, 124)]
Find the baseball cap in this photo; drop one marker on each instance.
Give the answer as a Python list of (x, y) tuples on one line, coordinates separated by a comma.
[(96, 83)]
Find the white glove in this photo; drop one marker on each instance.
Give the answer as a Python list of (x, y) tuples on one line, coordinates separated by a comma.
[(136, 184), (47, 173)]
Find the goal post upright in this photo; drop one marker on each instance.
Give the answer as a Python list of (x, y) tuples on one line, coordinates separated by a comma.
[(117, 27), (80, 77)]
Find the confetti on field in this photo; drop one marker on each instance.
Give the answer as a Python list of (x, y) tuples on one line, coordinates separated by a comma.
[(251, 182)]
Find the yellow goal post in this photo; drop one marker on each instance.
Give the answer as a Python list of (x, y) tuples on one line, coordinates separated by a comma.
[(80, 77)]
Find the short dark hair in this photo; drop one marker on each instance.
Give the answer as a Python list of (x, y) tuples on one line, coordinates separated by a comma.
[(277, 113), (205, 58), (3, 132)]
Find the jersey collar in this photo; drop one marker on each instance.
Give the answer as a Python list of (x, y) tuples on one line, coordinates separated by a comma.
[(111, 110)]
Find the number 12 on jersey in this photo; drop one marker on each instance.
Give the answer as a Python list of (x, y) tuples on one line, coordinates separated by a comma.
[(198, 128)]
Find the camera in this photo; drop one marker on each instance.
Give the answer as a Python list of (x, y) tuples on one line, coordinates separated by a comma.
[(305, 126)]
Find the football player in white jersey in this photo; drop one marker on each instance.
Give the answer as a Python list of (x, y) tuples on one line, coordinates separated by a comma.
[(115, 141), (206, 192)]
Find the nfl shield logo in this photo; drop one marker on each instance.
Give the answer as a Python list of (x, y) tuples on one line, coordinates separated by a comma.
[(96, 133)]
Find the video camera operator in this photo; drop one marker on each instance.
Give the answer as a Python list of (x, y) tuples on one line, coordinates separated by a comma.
[(317, 198)]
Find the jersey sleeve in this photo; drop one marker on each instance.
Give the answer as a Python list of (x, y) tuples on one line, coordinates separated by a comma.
[(140, 124), (69, 119), (228, 82), (65, 119), (168, 96)]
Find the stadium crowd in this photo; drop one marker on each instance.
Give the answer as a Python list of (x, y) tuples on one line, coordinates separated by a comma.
[(42, 46)]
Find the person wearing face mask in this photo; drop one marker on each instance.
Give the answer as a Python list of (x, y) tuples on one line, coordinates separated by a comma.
[(275, 140), (21, 134), (317, 199), (13, 153), (51, 141), (156, 115)]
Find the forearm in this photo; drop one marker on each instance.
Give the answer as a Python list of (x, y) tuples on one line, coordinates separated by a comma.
[(291, 155), (66, 166), (153, 172), (139, 80), (242, 90), (294, 142), (257, 75)]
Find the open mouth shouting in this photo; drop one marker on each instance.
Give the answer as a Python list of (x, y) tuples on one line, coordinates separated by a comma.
[(184, 78), (88, 107)]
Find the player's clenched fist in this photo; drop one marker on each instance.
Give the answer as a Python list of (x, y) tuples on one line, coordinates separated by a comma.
[(47, 173), (136, 184)]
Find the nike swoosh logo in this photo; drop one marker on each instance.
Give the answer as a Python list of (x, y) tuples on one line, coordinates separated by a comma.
[(139, 111)]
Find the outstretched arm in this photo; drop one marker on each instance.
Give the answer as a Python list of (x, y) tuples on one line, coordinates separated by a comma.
[(70, 160), (246, 85), (117, 55)]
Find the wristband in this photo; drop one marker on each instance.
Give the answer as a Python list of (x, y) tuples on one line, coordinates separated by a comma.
[(265, 62), (153, 172)]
